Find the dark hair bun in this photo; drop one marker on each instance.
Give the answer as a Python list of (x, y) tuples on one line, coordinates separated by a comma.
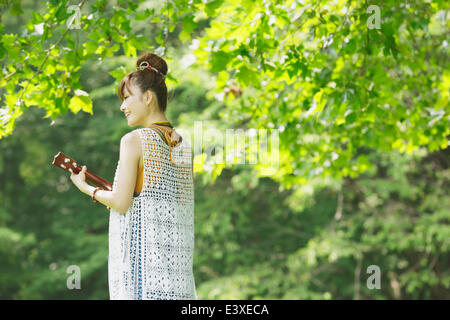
[(154, 60), (148, 79)]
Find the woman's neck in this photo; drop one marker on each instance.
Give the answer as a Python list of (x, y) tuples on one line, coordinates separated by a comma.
[(155, 118)]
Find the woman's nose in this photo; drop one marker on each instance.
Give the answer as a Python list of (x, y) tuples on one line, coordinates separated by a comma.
[(122, 107)]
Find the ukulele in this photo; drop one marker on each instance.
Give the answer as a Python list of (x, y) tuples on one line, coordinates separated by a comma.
[(65, 163)]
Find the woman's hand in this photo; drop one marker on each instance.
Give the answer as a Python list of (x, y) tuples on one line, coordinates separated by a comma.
[(79, 179)]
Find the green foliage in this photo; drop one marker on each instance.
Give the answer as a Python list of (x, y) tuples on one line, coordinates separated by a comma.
[(395, 216), (362, 116), (319, 70)]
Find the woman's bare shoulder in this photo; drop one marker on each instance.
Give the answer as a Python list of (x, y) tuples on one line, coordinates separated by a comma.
[(131, 137), (131, 141)]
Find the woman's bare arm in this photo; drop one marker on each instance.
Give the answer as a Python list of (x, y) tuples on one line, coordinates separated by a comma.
[(120, 198)]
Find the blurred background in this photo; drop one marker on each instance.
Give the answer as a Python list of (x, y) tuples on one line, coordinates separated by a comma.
[(308, 230)]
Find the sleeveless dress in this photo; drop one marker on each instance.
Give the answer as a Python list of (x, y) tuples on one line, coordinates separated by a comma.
[(151, 246)]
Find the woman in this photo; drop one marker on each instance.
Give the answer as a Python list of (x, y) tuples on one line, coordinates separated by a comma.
[(151, 233)]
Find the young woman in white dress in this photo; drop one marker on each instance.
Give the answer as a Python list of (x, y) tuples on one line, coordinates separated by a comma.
[(151, 230)]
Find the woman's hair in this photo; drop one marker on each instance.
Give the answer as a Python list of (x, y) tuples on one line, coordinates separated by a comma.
[(148, 79)]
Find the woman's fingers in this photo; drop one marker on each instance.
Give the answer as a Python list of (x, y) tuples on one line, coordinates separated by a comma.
[(84, 168)]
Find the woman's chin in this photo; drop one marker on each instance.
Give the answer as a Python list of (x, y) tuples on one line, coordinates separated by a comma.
[(131, 123)]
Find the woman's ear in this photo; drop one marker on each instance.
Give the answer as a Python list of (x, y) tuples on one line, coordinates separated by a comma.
[(148, 97)]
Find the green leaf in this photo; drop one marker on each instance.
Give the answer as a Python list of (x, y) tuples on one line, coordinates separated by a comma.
[(159, 39), (37, 18), (129, 49), (212, 6), (119, 73), (189, 25), (247, 76), (90, 46), (16, 8), (350, 118), (70, 58), (155, 19), (2, 51), (80, 102), (8, 40), (351, 46), (334, 19), (219, 61), (61, 12), (184, 36)]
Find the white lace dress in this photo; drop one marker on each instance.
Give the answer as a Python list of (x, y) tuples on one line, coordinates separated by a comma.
[(151, 246)]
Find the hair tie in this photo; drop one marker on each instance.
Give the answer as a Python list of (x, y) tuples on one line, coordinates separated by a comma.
[(145, 65)]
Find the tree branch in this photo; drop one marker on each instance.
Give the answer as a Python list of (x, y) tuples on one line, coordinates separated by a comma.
[(80, 5)]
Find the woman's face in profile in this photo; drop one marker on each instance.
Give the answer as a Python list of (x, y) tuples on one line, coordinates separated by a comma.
[(133, 106)]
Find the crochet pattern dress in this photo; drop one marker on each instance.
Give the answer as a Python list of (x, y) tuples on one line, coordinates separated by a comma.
[(151, 246)]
